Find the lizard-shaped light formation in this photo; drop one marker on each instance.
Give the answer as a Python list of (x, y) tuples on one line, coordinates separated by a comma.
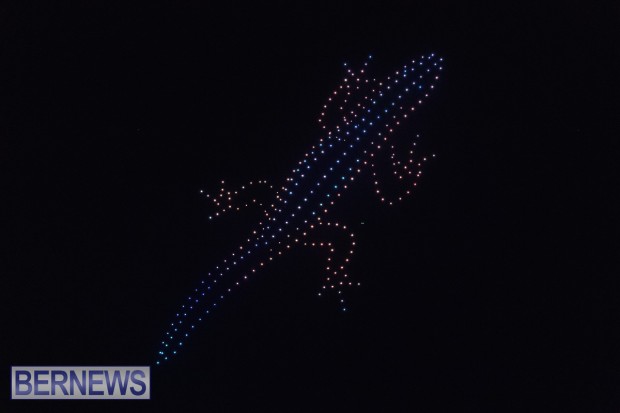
[(356, 124)]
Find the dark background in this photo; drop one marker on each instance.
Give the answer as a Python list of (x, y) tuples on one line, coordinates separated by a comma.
[(494, 288)]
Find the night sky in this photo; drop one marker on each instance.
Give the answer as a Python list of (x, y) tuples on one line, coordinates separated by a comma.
[(495, 287)]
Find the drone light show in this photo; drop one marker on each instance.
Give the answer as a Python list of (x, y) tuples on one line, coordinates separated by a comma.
[(357, 128)]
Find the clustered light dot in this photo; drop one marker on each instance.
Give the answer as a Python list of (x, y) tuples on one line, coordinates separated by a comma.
[(223, 200), (356, 122)]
